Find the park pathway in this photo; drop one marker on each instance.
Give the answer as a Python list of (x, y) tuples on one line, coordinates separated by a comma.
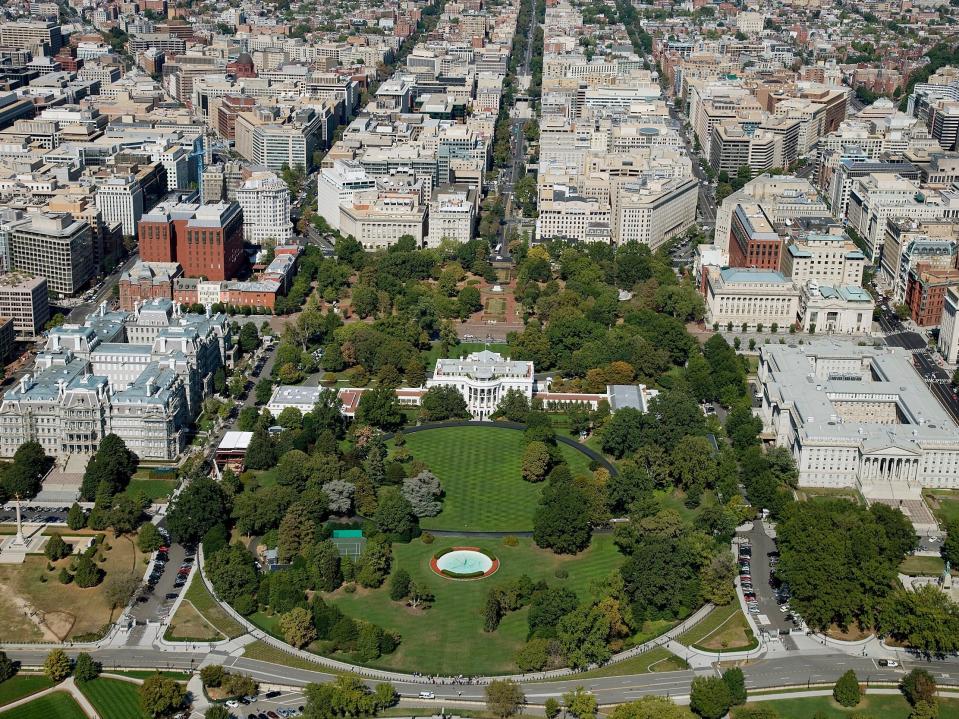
[(68, 686)]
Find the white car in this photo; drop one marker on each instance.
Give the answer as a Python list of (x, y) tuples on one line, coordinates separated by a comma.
[(233, 703), (427, 695)]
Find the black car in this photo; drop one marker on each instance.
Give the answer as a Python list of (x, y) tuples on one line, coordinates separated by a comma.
[(272, 695), (171, 595)]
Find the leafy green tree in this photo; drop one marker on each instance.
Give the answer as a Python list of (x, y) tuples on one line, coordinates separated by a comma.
[(533, 656), (219, 380), (924, 619), (584, 635), (580, 703), (394, 515), (7, 667), (536, 462), (198, 508), (950, 545), (160, 695), (839, 563), (260, 453), (373, 566), (551, 708), (847, 691), (560, 523), (296, 531), (23, 477), (212, 675), (709, 697), (232, 573), (111, 467), (735, 682), (249, 338), (76, 518), (263, 391), (56, 548), (368, 643), (504, 698), (217, 711), (925, 710), (57, 666), (424, 493), (347, 697), (650, 707), (622, 433), (149, 538), (378, 408), (87, 573), (514, 406), (297, 627), (400, 585), (547, 607), (918, 686), (85, 669), (442, 403)]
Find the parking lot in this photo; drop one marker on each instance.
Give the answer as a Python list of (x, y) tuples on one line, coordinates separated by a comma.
[(154, 603), (36, 515), (765, 597), (268, 706)]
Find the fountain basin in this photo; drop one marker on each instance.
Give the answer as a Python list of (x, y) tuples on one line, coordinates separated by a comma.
[(463, 563)]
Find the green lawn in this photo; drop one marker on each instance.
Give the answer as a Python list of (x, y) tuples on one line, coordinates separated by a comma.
[(480, 468), (724, 626), (945, 505), (915, 566), (201, 599), (144, 673), (22, 685), (113, 698), (267, 653), (449, 638), (655, 660), (58, 704), (154, 489), (879, 706)]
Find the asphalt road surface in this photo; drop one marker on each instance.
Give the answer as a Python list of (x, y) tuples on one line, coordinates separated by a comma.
[(795, 669), (79, 313)]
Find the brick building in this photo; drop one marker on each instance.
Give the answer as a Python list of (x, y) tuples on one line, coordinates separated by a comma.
[(207, 240), (926, 292)]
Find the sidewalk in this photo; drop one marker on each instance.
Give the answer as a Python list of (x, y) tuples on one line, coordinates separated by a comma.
[(68, 686)]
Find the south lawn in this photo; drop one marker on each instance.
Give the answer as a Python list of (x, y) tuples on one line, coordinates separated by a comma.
[(480, 469), (448, 638)]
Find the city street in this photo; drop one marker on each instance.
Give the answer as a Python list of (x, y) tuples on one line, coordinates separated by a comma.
[(79, 313)]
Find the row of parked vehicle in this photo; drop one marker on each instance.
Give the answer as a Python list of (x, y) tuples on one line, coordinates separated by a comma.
[(746, 577)]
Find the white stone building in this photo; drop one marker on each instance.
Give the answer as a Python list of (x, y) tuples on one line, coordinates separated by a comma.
[(452, 216), (483, 378), (857, 416), (120, 199), (92, 380), (750, 297), (336, 186), (948, 342), (265, 201), (835, 310)]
